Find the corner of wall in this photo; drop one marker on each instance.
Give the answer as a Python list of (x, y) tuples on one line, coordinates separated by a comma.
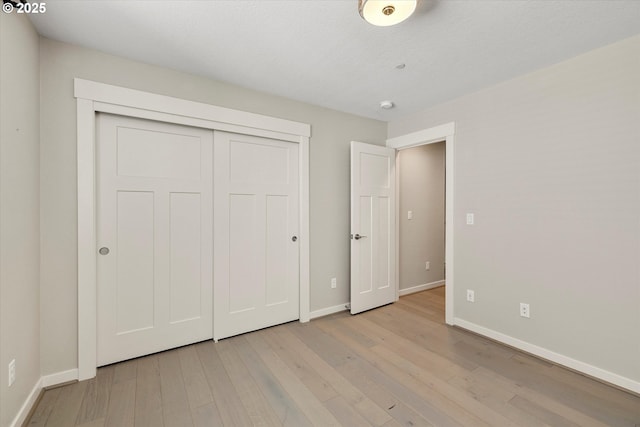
[(19, 218)]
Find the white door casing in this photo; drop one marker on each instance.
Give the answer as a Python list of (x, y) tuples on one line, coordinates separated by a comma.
[(92, 98), (154, 210), (373, 226), (444, 132), (256, 223)]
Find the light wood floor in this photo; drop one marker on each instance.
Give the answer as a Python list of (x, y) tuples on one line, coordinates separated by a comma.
[(398, 365)]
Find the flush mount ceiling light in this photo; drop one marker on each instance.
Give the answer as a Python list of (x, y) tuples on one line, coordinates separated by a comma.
[(387, 105), (386, 12)]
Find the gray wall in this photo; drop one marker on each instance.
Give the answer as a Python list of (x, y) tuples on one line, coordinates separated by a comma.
[(421, 184), (19, 212), (329, 177), (550, 165)]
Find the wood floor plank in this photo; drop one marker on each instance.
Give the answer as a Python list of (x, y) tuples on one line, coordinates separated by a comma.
[(125, 371), (541, 413), (365, 406), (433, 335), (258, 409), (45, 407), (438, 387), (195, 382), (206, 416), (566, 394), (315, 339), (441, 343), (281, 402), (309, 377), (429, 403), (87, 410), (624, 403), (99, 422), (229, 405), (495, 397), (428, 311), (96, 398), (362, 337), (397, 365), (304, 398), (67, 406), (392, 423), (345, 413), (357, 372), (121, 410), (148, 406), (176, 411), (494, 378), (441, 366)]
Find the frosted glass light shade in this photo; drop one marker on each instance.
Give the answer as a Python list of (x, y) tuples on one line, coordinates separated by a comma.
[(386, 12)]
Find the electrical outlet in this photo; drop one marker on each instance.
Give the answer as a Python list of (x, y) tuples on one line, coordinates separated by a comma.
[(12, 372), (334, 283), (427, 265), (471, 295), (524, 310)]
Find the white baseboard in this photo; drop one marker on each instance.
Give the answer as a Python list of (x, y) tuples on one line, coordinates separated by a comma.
[(560, 359), (419, 288), (21, 417), (59, 378), (327, 311), (43, 382)]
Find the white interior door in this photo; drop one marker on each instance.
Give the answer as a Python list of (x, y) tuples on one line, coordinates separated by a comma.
[(373, 217), (155, 223), (256, 215)]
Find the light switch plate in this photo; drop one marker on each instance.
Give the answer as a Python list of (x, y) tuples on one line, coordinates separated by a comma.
[(470, 219), (12, 372)]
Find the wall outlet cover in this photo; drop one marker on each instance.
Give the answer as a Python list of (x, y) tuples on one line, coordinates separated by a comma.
[(471, 295), (524, 310)]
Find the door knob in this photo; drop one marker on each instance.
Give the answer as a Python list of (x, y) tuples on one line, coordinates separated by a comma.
[(358, 237), (294, 238), (103, 250)]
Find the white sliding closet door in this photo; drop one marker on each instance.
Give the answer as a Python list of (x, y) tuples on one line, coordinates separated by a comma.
[(256, 215), (154, 212)]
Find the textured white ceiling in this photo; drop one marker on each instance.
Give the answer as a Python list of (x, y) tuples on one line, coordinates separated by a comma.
[(322, 52)]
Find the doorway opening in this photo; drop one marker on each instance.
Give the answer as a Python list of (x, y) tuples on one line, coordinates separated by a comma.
[(421, 199), (440, 134)]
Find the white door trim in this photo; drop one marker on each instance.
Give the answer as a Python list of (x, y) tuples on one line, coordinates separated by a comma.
[(93, 97), (440, 133)]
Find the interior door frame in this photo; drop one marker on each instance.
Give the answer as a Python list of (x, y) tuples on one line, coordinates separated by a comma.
[(93, 97), (432, 135)]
